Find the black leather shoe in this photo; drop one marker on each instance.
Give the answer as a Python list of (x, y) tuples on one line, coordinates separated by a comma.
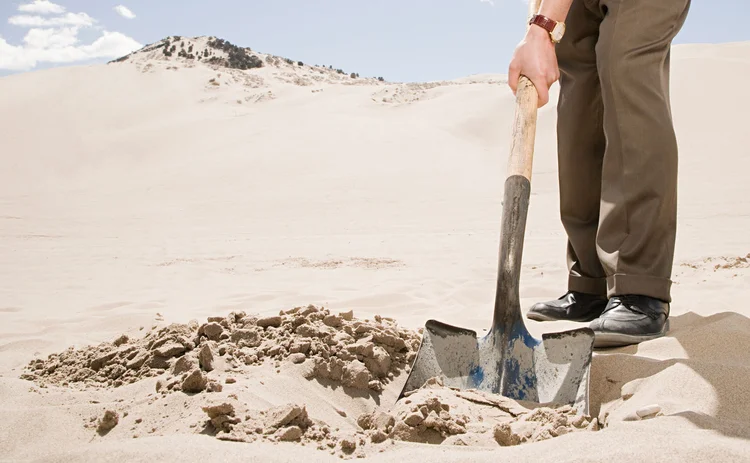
[(630, 319), (572, 306)]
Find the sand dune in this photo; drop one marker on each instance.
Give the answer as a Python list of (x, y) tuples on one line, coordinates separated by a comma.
[(155, 191)]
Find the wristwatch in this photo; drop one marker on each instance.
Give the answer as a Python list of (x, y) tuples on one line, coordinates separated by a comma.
[(556, 29)]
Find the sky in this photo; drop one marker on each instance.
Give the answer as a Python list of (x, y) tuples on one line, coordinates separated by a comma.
[(400, 40)]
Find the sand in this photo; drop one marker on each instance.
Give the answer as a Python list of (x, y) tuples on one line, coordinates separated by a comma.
[(149, 215)]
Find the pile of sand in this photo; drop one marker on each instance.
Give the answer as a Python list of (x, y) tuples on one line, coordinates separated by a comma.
[(359, 354), (364, 355)]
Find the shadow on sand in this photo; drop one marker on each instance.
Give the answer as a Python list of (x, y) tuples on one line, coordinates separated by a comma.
[(713, 372)]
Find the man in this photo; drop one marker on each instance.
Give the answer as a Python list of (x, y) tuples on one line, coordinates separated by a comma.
[(617, 156)]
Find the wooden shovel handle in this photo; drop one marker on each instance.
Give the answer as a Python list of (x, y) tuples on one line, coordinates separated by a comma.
[(524, 122), (524, 130)]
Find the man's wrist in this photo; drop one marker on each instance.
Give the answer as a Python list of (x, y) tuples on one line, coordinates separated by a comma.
[(554, 29), (537, 32)]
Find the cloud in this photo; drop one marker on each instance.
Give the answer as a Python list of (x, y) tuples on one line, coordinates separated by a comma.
[(41, 7), (51, 38), (111, 45), (491, 2), (124, 12), (13, 58), (54, 38), (68, 19), (61, 46)]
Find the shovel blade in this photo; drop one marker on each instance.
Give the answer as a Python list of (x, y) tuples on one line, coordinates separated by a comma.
[(553, 370)]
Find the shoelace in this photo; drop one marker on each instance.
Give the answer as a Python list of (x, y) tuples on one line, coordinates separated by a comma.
[(630, 303)]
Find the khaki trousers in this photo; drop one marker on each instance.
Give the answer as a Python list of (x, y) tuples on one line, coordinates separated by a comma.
[(617, 150)]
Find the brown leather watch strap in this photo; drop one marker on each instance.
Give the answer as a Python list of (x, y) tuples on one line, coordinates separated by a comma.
[(544, 22)]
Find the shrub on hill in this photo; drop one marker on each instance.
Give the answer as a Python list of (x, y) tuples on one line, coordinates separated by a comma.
[(238, 58)]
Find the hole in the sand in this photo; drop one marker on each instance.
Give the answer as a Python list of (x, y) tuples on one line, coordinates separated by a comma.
[(435, 414)]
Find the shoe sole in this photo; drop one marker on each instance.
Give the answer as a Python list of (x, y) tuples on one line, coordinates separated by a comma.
[(544, 318), (620, 340), (540, 318)]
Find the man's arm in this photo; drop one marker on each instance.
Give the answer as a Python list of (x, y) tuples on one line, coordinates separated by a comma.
[(534, 56)]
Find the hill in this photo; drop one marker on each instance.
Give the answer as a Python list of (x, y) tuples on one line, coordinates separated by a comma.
[(221, 53)]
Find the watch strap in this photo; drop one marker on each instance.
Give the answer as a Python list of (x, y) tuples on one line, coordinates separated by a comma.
[(543, 22)]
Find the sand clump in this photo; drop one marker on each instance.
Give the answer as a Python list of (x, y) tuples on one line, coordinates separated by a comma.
[(359, 354), (288, 422), (108, 422), (541, 424), (437, 414)]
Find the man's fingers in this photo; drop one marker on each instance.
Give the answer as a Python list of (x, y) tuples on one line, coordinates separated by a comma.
[(514, 73), (542, 90), (552, 77), (543, 97)]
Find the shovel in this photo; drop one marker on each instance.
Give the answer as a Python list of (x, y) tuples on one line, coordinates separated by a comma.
[(508, 360)]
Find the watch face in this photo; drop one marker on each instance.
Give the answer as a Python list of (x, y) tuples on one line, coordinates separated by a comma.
[(558, 32)]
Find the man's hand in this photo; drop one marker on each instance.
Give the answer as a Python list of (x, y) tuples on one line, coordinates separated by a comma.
[(535, 58)]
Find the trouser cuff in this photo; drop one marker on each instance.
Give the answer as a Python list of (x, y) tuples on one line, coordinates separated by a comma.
[(587, 285), (620, 284)]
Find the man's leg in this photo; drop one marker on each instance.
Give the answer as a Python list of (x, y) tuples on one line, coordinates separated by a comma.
[(580, 148), (638, 215), (639, 194)]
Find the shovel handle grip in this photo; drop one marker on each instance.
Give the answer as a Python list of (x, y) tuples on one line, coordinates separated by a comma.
[(524, 130)]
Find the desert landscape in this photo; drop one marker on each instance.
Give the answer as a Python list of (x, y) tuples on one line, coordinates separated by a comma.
[(211, 252)]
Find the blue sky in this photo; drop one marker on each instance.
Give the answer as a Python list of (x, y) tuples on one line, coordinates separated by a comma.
[(401, 40)]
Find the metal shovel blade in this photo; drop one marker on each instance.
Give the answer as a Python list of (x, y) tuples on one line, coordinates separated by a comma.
[(553, 370)]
